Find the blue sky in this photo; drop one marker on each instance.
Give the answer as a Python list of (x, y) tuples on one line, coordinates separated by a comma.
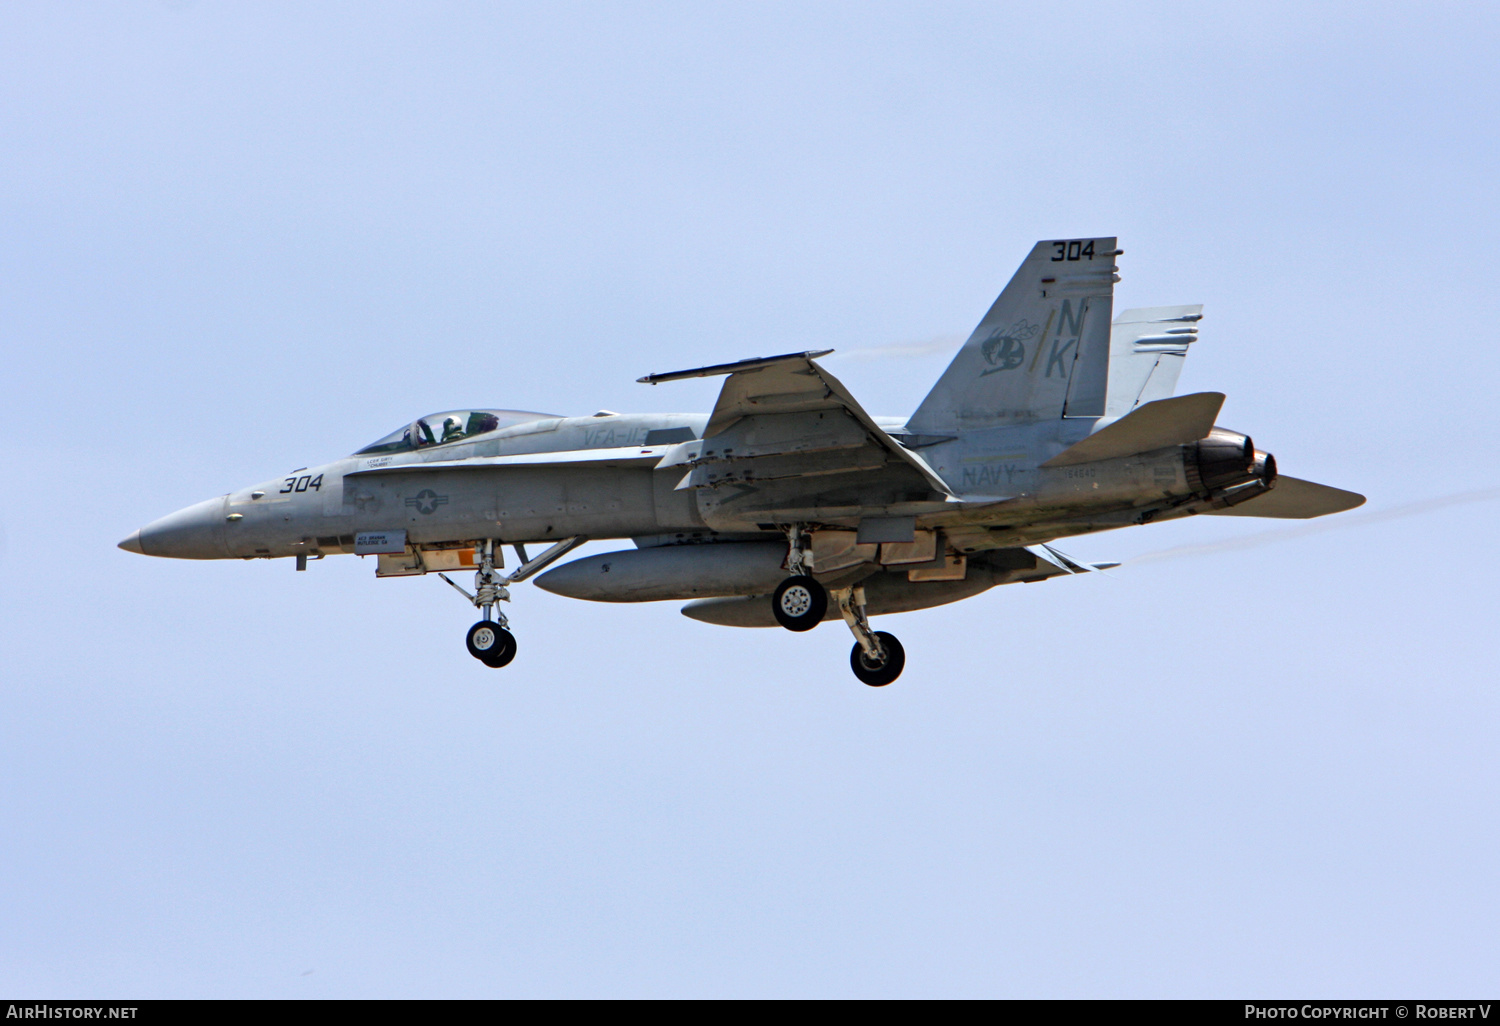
[(236, 239)]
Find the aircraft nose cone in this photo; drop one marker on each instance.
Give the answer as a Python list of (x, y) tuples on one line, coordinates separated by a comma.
[(196, 532), (133, 543)]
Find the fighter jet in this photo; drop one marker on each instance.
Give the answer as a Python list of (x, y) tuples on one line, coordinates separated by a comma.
[(788, 504)]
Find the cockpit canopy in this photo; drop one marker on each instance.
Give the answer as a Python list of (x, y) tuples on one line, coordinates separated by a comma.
[(449, 426)]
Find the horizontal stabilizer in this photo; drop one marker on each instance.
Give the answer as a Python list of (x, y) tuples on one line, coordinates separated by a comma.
[(1065, 562), (1177, 421), (1295, 499)]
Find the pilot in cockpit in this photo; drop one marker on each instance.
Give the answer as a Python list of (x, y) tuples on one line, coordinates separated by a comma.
[(453, 429)]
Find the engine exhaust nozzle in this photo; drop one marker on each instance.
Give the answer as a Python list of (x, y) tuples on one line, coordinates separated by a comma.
[(1222, 460)]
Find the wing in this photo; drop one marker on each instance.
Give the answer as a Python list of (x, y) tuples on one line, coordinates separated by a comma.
[(787, 442), (1295, 499)]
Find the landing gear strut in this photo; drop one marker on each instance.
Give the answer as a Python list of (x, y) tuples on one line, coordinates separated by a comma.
[(878, 657), (489, 641), (799, 602)]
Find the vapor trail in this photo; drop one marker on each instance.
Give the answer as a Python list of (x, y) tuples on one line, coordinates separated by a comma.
[(1250, 541), (902, 350)]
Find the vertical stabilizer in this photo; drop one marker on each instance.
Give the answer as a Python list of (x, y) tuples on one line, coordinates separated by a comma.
[(1042, 351), (1146, 351)]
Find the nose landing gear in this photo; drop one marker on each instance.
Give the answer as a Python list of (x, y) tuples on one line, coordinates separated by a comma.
[(489, 641)]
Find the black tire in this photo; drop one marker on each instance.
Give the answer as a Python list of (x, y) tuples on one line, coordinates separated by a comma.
[(880, 674), (799, 603), (506, 654), (491, 644)]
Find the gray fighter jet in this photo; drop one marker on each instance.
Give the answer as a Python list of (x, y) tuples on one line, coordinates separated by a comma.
[(788, 504)]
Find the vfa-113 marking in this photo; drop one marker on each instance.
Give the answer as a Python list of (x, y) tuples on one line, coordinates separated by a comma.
[(788, 504)]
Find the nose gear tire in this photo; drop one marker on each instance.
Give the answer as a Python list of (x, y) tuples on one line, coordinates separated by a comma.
[(878, 675), (491, 644), (799, 603), (505, 655)]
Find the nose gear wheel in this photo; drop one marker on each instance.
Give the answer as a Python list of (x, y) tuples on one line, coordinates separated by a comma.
[(491, 644)]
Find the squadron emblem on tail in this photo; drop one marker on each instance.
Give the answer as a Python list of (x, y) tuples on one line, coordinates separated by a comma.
[(1006, 349)]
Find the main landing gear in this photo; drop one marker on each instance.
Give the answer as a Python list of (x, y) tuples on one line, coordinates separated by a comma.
[(800, 603), (878, 657), (883, 668)]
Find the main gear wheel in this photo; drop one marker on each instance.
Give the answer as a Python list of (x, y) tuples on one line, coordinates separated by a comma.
[(879, 673), (799, 603)]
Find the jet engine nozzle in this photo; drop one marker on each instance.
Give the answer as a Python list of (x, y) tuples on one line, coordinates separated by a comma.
[(1222, 460), (1264, 468), (1262, 479)]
